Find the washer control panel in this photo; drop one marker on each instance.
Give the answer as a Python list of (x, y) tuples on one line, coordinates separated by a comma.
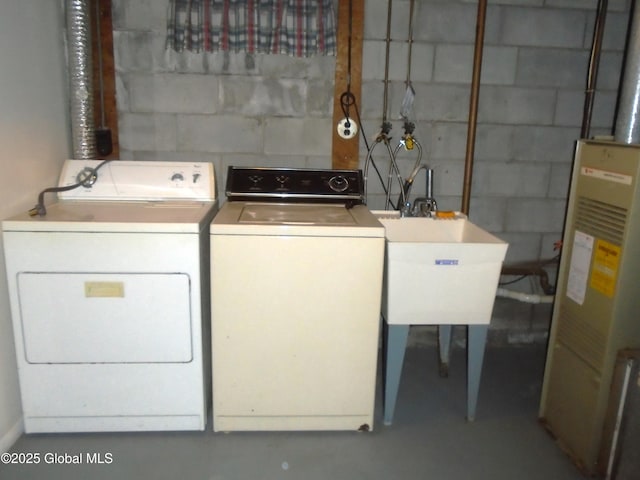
[(287, 184)]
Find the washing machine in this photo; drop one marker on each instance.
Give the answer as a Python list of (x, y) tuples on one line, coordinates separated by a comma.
[(109, 292), (297, 262)]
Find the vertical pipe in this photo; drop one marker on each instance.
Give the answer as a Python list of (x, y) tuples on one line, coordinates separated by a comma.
[(473, 105), (594, 62), (627, 127), (386, 64), (429, 180), (80, 79)]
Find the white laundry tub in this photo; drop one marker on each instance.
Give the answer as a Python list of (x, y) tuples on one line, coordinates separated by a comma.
[(439, 271)]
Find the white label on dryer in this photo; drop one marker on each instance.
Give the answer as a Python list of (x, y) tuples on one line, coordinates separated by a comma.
[(104, 289)]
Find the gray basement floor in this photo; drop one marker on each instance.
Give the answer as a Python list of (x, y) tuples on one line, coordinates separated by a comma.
[(429, 439)]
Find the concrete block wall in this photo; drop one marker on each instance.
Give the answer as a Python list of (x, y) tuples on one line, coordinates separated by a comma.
[(277, 110), (227, 109)]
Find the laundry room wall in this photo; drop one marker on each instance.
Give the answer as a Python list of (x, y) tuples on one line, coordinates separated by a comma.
[(34, 141), (279, 111)]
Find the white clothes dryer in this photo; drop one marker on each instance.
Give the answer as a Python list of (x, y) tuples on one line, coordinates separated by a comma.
[(109, 296), (297, 264)]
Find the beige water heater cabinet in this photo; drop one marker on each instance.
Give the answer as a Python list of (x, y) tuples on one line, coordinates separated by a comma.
[(597, 306)]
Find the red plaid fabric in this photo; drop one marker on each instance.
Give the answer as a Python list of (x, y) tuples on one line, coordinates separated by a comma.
[(300, 28)]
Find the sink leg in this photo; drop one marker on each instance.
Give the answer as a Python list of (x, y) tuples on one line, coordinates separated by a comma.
[(476, 340), (396, 343), (444, 346)]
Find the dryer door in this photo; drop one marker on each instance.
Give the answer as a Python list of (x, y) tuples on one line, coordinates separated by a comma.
[(105, 318)]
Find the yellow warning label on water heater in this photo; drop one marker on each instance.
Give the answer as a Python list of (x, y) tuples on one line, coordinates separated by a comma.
[(605, 267)]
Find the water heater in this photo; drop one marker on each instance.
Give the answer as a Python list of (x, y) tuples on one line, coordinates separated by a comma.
[(597, 307)]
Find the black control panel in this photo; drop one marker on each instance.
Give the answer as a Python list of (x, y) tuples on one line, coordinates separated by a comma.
[(294, 185)]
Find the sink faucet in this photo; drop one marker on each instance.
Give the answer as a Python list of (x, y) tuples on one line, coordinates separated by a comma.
[(422, 206)]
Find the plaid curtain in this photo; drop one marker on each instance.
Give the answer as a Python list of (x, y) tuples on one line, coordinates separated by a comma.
[(299, 28)]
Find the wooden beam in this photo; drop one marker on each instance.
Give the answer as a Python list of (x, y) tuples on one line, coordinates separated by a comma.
[(108, 83), (344, 153)]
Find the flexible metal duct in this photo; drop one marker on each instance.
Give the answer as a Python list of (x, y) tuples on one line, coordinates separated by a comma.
[(627, 128), (80, 79)]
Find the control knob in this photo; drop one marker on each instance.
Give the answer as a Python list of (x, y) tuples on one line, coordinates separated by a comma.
[(338, 183)]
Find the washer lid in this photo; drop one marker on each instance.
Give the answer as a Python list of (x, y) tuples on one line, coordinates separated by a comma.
[(295, 214), (296, 219)]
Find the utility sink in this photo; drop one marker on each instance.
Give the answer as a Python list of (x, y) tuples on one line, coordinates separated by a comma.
[(439, 271)]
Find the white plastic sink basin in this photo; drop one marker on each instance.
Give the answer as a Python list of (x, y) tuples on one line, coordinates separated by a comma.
[(439, 271)]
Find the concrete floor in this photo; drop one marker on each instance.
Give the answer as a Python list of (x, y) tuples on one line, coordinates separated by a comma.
[(429, 438)]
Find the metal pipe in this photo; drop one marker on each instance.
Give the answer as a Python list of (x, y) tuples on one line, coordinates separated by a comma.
[(429, 183), (386, 63), (533, 269), (473, 106), (410, 42), (594, 63), (80, 79), (627, 127), (533, 298)]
